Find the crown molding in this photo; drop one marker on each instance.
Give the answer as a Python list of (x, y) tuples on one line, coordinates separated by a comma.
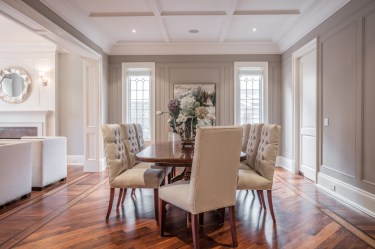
[(194, 48), (27, 47), (81, 21), (316, 13)]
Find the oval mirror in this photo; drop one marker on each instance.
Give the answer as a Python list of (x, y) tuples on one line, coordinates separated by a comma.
[(15, 85)]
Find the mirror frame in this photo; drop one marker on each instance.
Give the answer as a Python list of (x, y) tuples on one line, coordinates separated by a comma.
[(27, 82)]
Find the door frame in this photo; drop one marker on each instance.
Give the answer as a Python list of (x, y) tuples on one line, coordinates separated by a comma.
[(296, 56)]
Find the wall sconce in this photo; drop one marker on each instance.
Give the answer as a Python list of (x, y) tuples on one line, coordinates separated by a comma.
[(43, 80)]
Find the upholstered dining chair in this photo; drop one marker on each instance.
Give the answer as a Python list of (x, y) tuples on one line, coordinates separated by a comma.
[(213, 178), (245, 136), (251, 153), (261, 176), (121, 172)]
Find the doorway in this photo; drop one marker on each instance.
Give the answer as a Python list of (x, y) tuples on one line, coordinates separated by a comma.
[(305, 110)]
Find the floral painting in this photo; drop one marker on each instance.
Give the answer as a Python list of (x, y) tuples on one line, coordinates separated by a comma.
[(193, 105), (182, 90)]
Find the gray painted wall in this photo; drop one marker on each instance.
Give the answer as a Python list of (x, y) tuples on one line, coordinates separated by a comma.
[(346, 62), (70, 98), (217, 69)]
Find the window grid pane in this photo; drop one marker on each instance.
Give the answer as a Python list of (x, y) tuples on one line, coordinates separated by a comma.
[(251, 102), (139, 102)]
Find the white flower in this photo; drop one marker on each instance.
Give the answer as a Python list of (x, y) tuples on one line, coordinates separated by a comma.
[(181, 118), (188, 103)]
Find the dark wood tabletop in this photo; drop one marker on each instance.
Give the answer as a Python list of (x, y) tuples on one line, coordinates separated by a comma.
[(169, 153)]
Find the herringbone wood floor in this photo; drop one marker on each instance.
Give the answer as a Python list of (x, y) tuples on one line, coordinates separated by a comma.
[(72, 215)]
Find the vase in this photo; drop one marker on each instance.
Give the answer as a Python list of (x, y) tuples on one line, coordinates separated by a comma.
[(187, 133)]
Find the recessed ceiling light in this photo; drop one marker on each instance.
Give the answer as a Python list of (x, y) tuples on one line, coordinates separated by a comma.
[(254, 29), (134, 31), (193, 31)]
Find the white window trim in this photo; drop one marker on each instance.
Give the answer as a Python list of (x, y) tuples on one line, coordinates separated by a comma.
[(125, 67), (237, 66)]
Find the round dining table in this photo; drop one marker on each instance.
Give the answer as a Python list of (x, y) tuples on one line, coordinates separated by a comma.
[(171, 154)]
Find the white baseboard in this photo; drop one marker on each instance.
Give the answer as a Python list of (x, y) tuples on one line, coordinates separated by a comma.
[(356, 197), (76, 159), (284, 163), (308, 172)]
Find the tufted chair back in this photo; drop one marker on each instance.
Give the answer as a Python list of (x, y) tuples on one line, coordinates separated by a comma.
[(140, 139), (130, 137), (115, 150), (245, 136), (267, 150), (253, 144)]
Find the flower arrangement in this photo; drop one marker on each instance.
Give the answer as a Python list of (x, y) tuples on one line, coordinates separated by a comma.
[(190, 111)]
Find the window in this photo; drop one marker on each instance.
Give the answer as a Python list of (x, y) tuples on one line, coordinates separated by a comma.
[(138, 96), (250, 92)]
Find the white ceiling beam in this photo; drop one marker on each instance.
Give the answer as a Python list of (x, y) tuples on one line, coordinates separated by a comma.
[(193, 13), (159, 21), (228, 19), (119, 14), (265, 12)]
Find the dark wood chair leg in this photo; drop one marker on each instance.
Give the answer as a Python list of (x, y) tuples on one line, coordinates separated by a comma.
[(232, 222), (222, 216), (161, 216), (252, 191), (111, 197), (201, 219), (119, 198), (259, 199), (262, 199), (156, 198), (124, 195), (195, 230), (133, 193), (169, 178), (270, 204)]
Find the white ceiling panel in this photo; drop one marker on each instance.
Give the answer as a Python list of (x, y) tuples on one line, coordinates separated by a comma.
[(120, 28), (113, 5), (266, 26), (271, 4), (209, 28), (193, 5)]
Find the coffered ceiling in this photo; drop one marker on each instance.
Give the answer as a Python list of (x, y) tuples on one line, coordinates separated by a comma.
[(194, 26)]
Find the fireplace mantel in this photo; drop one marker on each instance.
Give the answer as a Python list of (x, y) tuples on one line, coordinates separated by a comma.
[(25, 118)]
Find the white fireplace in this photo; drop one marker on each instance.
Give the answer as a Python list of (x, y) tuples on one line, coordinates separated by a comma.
[(25, 118)]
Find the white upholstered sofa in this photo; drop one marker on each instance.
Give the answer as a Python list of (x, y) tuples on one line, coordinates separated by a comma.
[(49, 160), (15, 170)]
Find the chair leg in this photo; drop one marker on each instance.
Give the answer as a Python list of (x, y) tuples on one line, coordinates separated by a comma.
[(124, 195), (169, 178), (270, 204), (222, 216), (161, 216), (133, 193), (195, 230), (201, 219), (156, 198), (262, 199), (111, 196), (259, 198), (232, 222), (119, 198), (252, 191)]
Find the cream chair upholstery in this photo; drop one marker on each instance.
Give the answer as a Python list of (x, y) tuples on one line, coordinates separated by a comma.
[(262, 178), (121, 172), (139, 136), (245, 136), (213, 178), (15, 170), (252, 146)]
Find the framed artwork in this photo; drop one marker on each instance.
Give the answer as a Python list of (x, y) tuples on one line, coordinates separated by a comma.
[(182, 89)]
